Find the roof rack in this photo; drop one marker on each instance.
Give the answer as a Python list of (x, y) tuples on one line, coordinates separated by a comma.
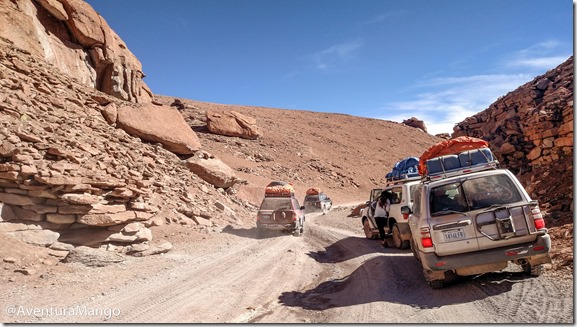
[(402, 179), (462, 163)]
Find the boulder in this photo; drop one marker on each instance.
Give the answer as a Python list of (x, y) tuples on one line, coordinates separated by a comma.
[(212, 170), (232, 123), (162, 124), (93, 257), (416, 123)]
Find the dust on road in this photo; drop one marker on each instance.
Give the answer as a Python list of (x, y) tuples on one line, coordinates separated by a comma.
[(331, 274)]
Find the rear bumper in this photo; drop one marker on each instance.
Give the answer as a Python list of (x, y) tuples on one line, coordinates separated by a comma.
[(290, 226), (433, 262)]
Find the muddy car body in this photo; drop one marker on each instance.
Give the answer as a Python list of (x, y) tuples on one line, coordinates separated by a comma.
[(280, 210), (472, 221)]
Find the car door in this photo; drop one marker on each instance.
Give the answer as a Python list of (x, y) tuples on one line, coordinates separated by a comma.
[(451, 226)]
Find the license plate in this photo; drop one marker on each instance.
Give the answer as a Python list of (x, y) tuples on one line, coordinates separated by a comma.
[(454, 234)]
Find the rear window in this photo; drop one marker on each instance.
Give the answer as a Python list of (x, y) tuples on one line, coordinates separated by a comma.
[(312, 198), (276, 204), (491, 190), (473, 194)]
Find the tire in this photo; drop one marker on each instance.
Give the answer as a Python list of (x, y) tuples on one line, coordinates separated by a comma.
[(436, 284), (367, 229), (533, 271), (398, 240), (299, 230)]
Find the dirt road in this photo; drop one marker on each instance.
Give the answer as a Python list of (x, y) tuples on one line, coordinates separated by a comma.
[(331, 274)]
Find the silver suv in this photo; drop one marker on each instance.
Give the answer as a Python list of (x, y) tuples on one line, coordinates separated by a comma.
[(403, 194), (468, 223)]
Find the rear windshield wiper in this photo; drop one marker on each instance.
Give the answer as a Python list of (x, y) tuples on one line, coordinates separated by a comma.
[(446, 212)]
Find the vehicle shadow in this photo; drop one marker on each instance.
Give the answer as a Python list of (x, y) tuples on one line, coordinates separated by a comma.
[(349, 248), (368, 284), (253, 232)]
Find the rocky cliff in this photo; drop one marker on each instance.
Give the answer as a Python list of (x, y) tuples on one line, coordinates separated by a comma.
[(531, 132), (72, 37)]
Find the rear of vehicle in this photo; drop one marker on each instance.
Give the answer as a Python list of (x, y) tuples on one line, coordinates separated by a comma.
[(317, 203), (477, 223), (281, 213)]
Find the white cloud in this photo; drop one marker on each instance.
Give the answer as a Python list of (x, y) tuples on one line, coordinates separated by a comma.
[(335, 54), (541, 56), (452, 99)]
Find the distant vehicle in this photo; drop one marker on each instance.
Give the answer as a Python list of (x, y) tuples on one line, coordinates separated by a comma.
[(315, 201), (470, 217), (402, 182), (280, 210)]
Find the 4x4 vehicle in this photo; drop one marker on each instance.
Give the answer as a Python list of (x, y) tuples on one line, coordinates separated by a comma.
[(469, 217), (401, 183), (397, 223), (315, 200), (280, 210)]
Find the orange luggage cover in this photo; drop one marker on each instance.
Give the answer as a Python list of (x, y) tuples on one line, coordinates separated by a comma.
[(313, 191), (279, 190), (452, 146)]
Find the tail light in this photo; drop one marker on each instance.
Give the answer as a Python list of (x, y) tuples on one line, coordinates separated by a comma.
[(405, 216), (537, 217), (426, 240), (294, 216)]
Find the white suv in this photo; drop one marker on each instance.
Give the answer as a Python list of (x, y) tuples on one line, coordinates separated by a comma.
[(470, 222), (403, 194)]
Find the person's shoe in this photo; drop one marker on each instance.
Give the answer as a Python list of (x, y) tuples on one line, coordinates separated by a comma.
[(385, 245)]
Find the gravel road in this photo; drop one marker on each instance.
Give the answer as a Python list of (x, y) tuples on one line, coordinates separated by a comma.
[(331, 274)]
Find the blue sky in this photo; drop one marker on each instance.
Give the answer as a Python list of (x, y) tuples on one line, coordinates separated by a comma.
[(438, 60)]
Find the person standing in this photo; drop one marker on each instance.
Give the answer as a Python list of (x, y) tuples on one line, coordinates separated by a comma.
[(382, 214)]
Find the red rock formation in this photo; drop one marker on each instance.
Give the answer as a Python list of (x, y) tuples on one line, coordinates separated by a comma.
[(232, 123), (157, 123), (531, 132), (72, 37), (416, 123)]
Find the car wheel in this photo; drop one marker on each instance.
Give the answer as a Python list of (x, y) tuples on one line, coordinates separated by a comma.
[(398, 239), (533, 271), (367, 229), (433, 283), (436, 284)]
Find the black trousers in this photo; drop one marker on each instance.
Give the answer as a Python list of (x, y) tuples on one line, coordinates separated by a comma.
[(381, 224)]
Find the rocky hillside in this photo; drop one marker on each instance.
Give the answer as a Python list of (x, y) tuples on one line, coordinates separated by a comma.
[(90, 157), (77, 41), (531, 132)]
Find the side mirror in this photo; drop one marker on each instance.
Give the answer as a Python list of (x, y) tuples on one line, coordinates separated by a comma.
[(368, 203), (405, 210), (302, 207)]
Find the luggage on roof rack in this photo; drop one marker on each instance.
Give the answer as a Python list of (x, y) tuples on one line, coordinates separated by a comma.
[(405, 169), (313, 191), (278, 188), (461, 155)]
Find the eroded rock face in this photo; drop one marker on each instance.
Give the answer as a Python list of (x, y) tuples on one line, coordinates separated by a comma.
[(72, 37), (416, 123), (232, 123), (157, 123), (530, 131), (69, 177)]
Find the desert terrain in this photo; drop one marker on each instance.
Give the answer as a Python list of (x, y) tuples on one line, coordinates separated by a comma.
[(103, 220)]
